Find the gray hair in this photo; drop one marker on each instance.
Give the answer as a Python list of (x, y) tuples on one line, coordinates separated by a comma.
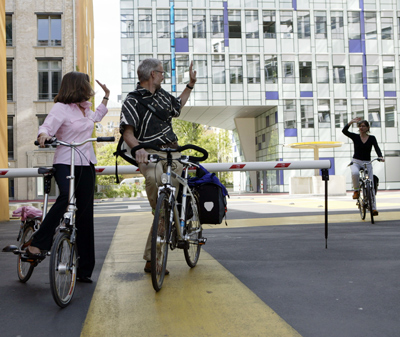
[(146, 67)]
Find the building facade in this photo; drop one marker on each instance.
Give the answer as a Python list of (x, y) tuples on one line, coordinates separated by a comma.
[(45, 40), (277, 72)]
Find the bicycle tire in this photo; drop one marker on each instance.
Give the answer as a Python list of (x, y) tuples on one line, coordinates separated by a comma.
[(194, 231), (159, 240), (370, 202), (25, 268), (362, 201), (62, 269)]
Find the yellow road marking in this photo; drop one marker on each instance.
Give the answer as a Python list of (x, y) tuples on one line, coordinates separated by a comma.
[(204, 301)]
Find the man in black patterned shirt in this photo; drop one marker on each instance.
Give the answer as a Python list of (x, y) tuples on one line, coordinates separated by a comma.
[(139, 124)]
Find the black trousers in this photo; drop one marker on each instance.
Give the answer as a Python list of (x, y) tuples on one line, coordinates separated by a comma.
[(84, 192)]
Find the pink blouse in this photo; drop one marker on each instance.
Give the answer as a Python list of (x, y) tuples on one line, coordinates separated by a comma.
[(66, 122)]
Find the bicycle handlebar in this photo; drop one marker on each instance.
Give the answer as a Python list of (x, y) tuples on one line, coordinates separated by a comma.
[(169, 150), (54, 141)]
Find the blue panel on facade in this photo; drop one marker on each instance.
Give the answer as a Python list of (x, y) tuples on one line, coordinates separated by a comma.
[(332, 169), (390, 93), (290, 132), (355, 46), (226, 25), (306, 94), (272, 95), (294, 4), (182, 45)]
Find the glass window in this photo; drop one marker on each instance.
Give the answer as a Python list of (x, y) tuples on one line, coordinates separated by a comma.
[(199, 24), (389, 75), (253, 69), (287, 24), (289, 114), (390, 112), (127, 23), (269, 24), (320, 25), (217, 23), (374, 113), (339, 74), (236, 69), (356, 75), (9, 37), (271, 69), (163, 23), (288, 72), (200, 64), (49, 77), (307, 113), (340, 113), (235, 27), (181, 23), (303, 25), (357, 108), (305, 71), (323, 72), (10, 136), (354, 27), (166, 63), (145, 20), (252, 24), (337, 25), (49, 30), (128, 66), (387, 28), (182, 69), (370, 25), (218, 67), (324, 113), (10, 83), (372, 74)]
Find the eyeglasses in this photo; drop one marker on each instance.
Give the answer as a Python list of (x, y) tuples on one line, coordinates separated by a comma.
[(162, 72)]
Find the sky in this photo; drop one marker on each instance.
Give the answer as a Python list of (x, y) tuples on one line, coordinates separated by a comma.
[(107, 59)]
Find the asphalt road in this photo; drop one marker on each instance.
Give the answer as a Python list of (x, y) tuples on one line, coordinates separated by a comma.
[(265, 274)]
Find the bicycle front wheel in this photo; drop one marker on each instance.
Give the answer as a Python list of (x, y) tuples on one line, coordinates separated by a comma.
[(369, 192), (194, 232), (362, 202), (63, 267), (25, 268), (159, 241)]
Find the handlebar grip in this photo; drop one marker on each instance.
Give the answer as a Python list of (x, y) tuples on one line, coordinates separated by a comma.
[(204, 152), (48, 142), (106, 139)]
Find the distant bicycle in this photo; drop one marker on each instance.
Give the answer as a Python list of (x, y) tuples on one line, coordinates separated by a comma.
[(366, 197)]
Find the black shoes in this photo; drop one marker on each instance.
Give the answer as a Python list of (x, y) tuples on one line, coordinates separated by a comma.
[(84, 279)]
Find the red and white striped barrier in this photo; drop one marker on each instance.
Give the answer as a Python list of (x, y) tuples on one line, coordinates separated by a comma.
[(213, 167)]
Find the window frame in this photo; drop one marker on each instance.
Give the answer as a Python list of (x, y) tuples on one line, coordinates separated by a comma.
[(50, 42), (50, 72)]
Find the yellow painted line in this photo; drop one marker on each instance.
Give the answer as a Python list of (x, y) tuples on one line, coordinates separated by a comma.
[(204, 301)]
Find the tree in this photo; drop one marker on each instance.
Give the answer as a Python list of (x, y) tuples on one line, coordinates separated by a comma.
[(105, 157)]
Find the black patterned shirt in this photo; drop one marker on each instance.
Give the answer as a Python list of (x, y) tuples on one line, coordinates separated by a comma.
[(147, 127)]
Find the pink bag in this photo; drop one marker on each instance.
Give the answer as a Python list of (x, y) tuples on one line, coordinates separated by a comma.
[(27, 212)]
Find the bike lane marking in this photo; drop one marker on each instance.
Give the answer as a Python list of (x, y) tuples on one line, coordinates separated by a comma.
[(204, 301)]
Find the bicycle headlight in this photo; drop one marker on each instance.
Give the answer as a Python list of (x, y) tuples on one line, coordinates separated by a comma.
[(164, 178)]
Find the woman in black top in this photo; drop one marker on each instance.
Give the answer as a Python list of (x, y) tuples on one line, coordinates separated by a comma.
[(362, 153)]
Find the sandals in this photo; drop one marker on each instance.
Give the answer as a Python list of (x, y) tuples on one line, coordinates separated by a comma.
[(38, 256)]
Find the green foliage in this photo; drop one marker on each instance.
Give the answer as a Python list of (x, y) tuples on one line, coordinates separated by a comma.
[(105, 157)]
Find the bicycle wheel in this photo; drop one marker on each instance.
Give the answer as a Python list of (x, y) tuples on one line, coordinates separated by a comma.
[(194, 232), (159, 241), (63, 266), (370, 201), (362, 201), (25, 268)]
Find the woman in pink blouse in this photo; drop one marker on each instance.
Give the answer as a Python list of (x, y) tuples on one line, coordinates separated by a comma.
[(71, 119)]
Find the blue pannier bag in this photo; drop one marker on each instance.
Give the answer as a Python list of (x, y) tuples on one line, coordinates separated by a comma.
[(212, 196)]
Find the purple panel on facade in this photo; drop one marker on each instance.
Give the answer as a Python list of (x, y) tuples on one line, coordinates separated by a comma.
[(390, 93), (182, 45), (226, 24), (271, 95), (306, 94), (355, 46), (331, 171), (290, 132), (294, 4)]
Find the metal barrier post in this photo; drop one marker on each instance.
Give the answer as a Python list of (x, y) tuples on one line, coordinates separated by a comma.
[(325, 177)]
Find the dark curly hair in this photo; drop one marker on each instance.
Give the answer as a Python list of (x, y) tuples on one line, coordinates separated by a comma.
[(75, 88)]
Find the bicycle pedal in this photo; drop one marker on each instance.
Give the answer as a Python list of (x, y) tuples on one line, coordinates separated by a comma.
[(202, 241)]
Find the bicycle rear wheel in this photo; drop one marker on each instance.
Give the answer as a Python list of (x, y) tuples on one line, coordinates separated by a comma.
[(370, 201), (362, 201), (159, 241), (25, 268), (194, 232), (63, 267)]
